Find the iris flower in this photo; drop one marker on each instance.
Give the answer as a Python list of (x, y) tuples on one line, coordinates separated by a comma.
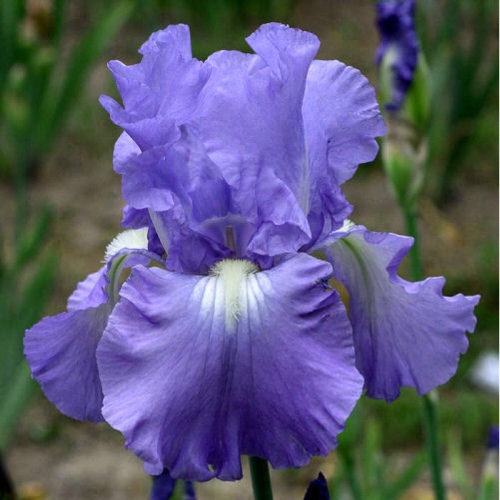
[(234, 343), (399, 45)]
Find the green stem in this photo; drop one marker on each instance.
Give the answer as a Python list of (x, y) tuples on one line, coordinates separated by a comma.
[(261, 480), (432, 444), (431, 425), (411, 221)]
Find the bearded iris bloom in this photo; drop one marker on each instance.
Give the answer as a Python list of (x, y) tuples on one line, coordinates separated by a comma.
[(234, 343)]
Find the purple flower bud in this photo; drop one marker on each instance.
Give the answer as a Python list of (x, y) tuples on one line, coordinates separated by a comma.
[(318, 489), (398, 49), (493, 438)]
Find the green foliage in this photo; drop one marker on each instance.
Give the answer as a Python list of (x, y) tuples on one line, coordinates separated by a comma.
[(26, 277), (372, 464), (216, 13), (40, 82), (463, 58), (38, 87), (365, 469), (218, 24)]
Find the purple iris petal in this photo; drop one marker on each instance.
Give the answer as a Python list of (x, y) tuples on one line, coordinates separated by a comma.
[(61, 352), (187, 194), (159, 92), (405, 334), (260, 365), (342, 119), (251, 124), (61, 349), (125, 153), (91, 292), (396, 25), (209, 156)]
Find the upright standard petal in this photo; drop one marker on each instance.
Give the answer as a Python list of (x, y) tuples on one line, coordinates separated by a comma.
[(405, 334), (159, 92), (184, 193), (239, 362), (342, 120), (251, 125), (246, 128)]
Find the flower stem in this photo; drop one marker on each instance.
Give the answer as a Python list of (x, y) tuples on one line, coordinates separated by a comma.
[(432, 441), (411, 221), (261, 480), (432, 444)]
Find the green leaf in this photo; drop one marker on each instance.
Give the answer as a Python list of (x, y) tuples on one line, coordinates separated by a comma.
[(407, 477), (10, 13), (21, 389), (457, 465), (36, 292), (32, 239), (58, 102)]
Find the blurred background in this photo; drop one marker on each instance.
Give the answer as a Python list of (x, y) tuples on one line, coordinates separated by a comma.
[(61, 205)]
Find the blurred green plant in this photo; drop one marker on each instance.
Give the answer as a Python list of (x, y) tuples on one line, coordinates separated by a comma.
[(364, 469), (27, 268), (456, 36), (371, 463), (40, 82), (422, 148), (214, 13), (220, 22)]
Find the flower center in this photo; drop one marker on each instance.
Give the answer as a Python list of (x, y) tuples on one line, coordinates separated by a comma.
[(232, 275)]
